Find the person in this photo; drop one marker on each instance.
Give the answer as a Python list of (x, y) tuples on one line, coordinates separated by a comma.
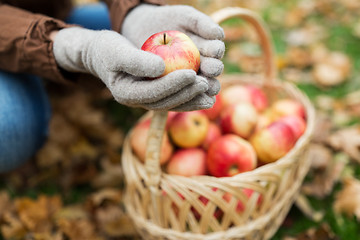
[(44, 40)]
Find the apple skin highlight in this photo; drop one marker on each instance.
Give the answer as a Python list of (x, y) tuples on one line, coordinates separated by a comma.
[(176, 49)]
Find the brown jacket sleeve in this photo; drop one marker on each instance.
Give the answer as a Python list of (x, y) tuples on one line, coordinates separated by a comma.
[(119, 9), (25, 45)]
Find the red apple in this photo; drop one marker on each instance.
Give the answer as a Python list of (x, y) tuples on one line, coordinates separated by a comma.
[(138, 142), (258, 97), (170, 116), (187, 162), (245, 93), (240, 205), (176, 49), (230, 155), (213, 133), (189, 129), (215, 110), (273, 142), (296, 123), (240, 119), (286, 107), (264, 119), (217, 213)]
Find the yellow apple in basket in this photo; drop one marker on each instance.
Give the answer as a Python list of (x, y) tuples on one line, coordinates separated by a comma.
[(176, 49), (189, 129)]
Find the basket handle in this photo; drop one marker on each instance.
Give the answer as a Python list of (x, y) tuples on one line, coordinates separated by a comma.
[(152, 163), (251, 17)]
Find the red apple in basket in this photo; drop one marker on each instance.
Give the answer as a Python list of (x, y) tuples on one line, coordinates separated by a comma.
[(176, 49), (273, 141), (286, 107), (213, 112), (213, 133), (138, 142), (245, 93), (230, 155), (187, 162), (240, 207), (296, 123), (240, 119), (189, 129)]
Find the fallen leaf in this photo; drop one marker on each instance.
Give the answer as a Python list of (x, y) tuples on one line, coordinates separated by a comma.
[(347, 200), (5, 204), (114, 222), (323, 232), (12, 228), (106, 195), (110, 176), (36, 214), (333, 70), (323, 180), (78, 229), (347, 140), (321, 156)]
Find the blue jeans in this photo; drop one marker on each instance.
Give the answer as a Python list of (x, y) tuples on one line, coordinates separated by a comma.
[(25, 110)]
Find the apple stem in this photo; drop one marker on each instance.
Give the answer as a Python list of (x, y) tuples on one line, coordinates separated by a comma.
[(164, 38)]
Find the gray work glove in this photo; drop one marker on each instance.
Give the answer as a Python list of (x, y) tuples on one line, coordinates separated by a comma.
[(126, 70), (146, 19)]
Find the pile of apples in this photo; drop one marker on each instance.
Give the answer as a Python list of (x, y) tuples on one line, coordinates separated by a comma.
[(242, 131)]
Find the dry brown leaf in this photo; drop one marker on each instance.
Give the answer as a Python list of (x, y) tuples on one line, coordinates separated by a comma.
[(321, 156), (348, 199), (323, 127), (5, 204), (36, 214), (114, 222), (12, 227), (352, 103), (72, 212), (332, 70), (347, 140), (111, 176), (106, 195), (323, 232), (45, 236), (298, 57), (78, 229), (50, 154), (323, 180)]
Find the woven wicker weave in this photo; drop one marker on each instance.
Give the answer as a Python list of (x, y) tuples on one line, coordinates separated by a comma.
[(165, 206)]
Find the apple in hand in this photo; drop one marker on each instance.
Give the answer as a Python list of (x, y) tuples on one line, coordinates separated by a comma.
[(189, 129), (240, 119), (138, 142), (230, 155), (273, 141), (187, 162), (176, 49)]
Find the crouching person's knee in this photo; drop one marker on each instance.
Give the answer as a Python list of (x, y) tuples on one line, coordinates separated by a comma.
[(24, 119)]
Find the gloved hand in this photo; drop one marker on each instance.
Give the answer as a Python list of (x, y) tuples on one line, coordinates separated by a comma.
[(125, 69), (145, 20)]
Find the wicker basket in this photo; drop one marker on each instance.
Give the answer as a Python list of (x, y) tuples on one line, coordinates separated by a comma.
[(164, 206)]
